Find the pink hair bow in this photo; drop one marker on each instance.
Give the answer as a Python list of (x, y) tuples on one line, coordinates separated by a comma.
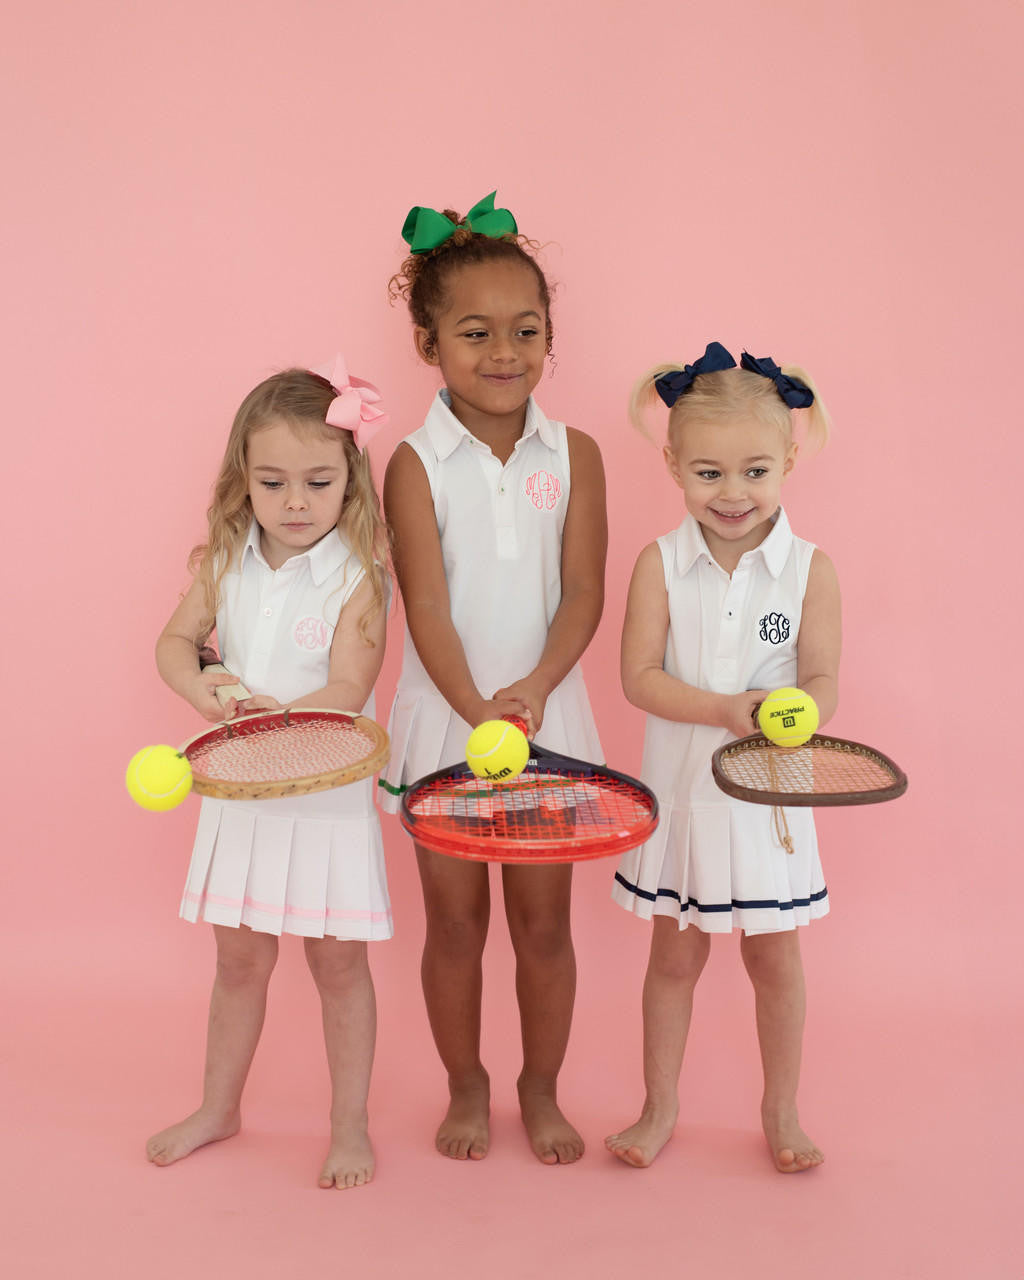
[(352, 407)]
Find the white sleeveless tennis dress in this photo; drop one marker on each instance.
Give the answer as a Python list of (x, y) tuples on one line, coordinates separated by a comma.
[(501, 539), (310, 865), (716, 862)]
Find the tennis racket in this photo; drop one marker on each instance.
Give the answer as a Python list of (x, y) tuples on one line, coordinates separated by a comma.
[(824, 771), (293, 752), (557, 810)]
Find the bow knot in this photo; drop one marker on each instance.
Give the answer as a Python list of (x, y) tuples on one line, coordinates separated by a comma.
[(352, 407), (796, 394), (670, 386), (425, 229)]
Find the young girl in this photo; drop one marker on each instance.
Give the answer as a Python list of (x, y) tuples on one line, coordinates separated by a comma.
[(499, 532), (726, 607), (292, 577)]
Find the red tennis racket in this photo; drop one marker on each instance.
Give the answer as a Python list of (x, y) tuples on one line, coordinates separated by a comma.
[(557, 810)]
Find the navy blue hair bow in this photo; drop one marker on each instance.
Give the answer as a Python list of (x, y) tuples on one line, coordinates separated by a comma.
[(795, 393), (670, 386)]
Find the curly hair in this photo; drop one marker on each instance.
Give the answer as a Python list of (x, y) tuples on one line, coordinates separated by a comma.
[(422, 279), (301, 399)]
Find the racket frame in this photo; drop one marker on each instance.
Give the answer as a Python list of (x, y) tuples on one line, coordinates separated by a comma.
[(806, 799), (522, 851), (261, 721)]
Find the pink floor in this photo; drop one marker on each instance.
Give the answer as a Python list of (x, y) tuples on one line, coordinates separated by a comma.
[(911, 1088)]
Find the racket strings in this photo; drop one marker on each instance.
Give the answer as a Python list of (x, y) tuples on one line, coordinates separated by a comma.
[(277, 752), (538, 806), (814, 769)]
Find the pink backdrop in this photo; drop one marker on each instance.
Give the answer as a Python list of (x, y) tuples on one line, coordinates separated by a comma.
[(202, 193)]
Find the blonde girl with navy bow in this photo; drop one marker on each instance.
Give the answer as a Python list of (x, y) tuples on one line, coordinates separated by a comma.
[(721, 610)]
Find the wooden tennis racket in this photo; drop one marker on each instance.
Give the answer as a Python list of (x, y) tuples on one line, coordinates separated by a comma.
[(293, 752), (824, 771), (557, 810)]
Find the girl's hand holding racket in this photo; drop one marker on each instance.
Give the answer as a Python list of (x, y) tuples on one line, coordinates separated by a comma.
[(261, 756), (531, 700), (741, 711)]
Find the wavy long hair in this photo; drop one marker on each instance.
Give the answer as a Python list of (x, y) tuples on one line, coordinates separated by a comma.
[(300, 399)]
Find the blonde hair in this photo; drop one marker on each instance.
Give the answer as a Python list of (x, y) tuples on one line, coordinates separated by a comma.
[(301, 400), (727, 394)]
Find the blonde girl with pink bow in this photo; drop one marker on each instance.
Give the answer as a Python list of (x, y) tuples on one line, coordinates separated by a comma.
[(291, 577)]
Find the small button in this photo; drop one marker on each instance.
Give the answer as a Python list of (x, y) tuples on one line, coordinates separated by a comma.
[(268, 613)]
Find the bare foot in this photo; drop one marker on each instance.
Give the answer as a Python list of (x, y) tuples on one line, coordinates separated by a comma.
[(196, 1130), (464, 1133), (552, 1137), (349, 1161), (791, 1148), (640, 1143)]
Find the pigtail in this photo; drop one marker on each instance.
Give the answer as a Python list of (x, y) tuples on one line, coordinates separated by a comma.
[(644, 394), (818, 420)]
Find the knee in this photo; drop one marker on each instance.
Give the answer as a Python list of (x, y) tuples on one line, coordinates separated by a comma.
[(772, 959), (460, 937), (336, 965), (246, 966), (539, 936), (681, 960)]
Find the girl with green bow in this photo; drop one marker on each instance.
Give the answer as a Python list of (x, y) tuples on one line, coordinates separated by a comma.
[(500, 534)]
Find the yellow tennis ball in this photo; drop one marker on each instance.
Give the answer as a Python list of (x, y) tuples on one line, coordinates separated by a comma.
[(788, 717), (497, 750), (158, 778)]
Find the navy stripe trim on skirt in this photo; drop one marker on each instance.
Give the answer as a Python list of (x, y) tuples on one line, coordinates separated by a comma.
[(737, 904)]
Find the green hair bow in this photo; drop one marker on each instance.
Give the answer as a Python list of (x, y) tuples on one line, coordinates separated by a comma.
[(425, 229)]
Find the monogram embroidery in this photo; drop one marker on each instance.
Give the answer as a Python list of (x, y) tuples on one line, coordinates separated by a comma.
[(774, 628), (312, 633), (543, 489)]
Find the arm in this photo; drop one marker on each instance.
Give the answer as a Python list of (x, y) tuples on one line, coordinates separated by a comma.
[(584, 550), (820, 640), (645, 682), (177, 659), (354, 664), (419, 566)]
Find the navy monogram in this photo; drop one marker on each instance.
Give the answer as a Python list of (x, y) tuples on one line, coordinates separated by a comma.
[(774, 628)]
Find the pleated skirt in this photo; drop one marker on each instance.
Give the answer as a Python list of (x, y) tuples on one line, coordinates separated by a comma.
[(309, 865), (427, 735), (722, 867)]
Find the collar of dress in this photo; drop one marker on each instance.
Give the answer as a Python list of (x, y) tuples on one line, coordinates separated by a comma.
[(690, 545), (324, 557), (446, 432)]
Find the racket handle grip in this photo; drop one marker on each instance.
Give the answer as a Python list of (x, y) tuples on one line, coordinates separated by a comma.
[(517, 723), (225, 692)]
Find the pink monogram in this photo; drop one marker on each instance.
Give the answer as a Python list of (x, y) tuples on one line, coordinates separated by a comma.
[(543, 489), (312, 633)]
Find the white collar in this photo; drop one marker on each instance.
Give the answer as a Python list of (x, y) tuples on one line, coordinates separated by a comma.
[(324, 557), (774, 550), (446, 432)]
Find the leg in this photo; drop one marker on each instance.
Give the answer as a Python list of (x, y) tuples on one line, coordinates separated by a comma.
[(342, 975), (456, 896), (677, 960), (238, 1002), (774, 965), (537, 902)]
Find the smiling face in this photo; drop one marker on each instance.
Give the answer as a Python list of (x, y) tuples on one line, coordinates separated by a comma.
[(731, 476), (297, 480), (490, 342)]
